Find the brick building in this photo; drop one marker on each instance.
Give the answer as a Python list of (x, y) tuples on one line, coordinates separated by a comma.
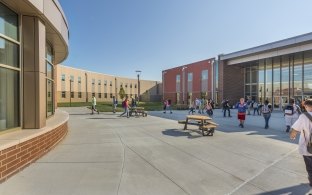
[(187, 82)]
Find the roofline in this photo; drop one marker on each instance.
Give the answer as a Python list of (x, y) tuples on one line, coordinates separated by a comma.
[(99, 73), (269, 46)]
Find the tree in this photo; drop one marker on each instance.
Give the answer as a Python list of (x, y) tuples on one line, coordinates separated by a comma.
[(122, 93)]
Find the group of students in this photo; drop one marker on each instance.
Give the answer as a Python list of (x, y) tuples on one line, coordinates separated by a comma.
[(201, 106), (243, 107), (296, 122)]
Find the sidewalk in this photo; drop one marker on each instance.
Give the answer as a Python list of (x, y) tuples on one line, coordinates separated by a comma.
[(106, 154)]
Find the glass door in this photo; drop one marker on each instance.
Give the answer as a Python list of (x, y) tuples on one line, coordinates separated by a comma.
[(276, 103)]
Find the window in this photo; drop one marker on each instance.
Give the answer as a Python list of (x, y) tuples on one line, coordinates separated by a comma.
[(190, 82), (49, 80), (135, 86), (93, 94), (72, 94), (79, 94), (130, 85), (63, 94), (99, 82), (110, 83), (111, 95), (204, 81), (79, 79), (10, 73), (72, 78), (105, 83), (178, 78), (100, 95), (63, 77), (105, 95), (93, 81)]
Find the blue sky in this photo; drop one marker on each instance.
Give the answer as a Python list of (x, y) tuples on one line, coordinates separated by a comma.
[(117, 37)]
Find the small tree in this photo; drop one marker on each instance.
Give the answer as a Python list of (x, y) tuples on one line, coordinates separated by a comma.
[(122, 93)]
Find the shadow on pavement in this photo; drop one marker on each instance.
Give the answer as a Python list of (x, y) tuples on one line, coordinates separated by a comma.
[(181, 133), (298, 189)]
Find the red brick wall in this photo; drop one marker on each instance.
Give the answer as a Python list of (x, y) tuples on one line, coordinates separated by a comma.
[(15, 158), (196, 68)]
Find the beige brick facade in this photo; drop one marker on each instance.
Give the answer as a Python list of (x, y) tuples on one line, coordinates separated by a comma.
[(82, 84)]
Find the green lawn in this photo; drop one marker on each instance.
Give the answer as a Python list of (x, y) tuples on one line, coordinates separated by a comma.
[(107, 106)]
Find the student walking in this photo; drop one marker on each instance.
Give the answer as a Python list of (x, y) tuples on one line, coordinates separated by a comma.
[(303, 125), (167, 105), (94, 105), (226, 107), (115, 103), (191, 107), (266, 111), (255, 108), (241, 107), (291, 112), (125, 105)]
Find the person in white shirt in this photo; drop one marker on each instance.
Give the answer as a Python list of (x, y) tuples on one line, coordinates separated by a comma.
[(304, 126)]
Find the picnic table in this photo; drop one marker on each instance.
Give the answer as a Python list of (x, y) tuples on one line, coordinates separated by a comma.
[(205, 123), (137, 111)]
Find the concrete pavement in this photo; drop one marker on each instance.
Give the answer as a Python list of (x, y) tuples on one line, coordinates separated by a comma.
[(107, 154)]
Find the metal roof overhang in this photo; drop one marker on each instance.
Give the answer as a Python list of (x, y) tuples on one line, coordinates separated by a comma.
[(283, 47)]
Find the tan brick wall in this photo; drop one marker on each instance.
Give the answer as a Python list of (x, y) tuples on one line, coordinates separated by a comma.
[(17, 157)]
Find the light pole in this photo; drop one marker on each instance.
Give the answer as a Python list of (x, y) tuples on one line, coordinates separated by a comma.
[(163, 84), (138, 74), (183, 84), (70, 90)]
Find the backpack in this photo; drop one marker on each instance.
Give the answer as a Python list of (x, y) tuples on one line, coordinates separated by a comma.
[(123, 104), (289, 110), (266, 109)]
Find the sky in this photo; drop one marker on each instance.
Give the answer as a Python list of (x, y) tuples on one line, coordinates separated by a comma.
[(118, 37)]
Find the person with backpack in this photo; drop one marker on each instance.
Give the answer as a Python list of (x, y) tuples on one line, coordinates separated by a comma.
[(303, 125), (266, 112), (255, 108), (291, 113), (125, 105)]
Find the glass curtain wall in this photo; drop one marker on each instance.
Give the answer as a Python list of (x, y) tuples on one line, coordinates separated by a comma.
[(261, 79), (307, 77), (297, 77), (276, 82), (285, 74), (50, 80), (268, 80), (9, 69)]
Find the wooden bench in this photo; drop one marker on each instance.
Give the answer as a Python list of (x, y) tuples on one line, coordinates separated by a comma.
[(138, 111), (206, 125), (208, 130)]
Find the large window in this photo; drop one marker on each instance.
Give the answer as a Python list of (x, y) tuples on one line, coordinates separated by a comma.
[(9, 69), (204, 81), (190, 82), (49, 80), (285, 76), (307, 77), (297, 85), (178, 83)]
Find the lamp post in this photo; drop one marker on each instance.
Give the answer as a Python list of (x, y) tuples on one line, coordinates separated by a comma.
[(183, 84), (163, 84), (70, 90), (138, 74)]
